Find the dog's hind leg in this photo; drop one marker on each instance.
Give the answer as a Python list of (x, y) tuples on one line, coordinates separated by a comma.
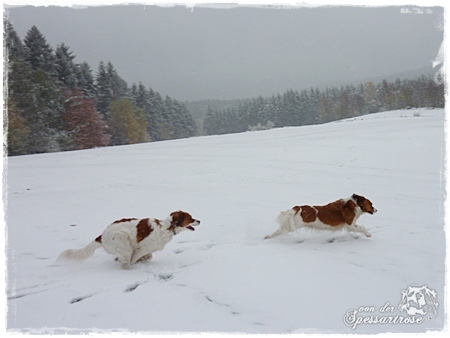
[(276, 233), (287, 223), (281, 230), (121, 246)]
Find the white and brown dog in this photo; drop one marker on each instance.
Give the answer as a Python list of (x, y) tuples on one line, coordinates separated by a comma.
[(133, 240), (335, 216)]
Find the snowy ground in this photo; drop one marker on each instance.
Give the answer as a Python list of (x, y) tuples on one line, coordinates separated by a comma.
[(224, 277)]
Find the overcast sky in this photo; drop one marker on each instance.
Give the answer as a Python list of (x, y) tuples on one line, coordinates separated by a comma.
[(211, 53)]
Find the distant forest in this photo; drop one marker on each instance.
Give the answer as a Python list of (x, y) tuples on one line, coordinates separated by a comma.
[(314, 106), (54, 104)]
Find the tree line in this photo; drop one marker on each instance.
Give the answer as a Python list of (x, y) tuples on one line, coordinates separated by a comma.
[(56, 104), (314, 106)]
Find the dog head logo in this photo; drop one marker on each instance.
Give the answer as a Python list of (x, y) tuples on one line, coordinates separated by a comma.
[(418, 300)]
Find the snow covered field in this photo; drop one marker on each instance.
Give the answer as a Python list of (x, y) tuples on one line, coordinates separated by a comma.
[(224, 277)]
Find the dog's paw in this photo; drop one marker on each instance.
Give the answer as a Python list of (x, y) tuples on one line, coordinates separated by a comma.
[(145, 258), (126, 266)]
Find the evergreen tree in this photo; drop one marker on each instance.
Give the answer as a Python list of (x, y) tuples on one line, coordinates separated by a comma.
[(13, 45), (342, 106), (303, 103), (162, 129), (209, 122), (358, 100), (150, 108), (104, 94), (133, 94), (407, 95), (147, 101), (311, 111), (66, 69), (435, 92), (324, 107), (117, 86), (85, 80), (110, 87), (291, 108), (36, 95), (184, 124), (38, 53), (275, 103), (141, 97)]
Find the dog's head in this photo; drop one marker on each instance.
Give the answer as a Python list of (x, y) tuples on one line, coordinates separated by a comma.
[(364, 204), (181, 220)]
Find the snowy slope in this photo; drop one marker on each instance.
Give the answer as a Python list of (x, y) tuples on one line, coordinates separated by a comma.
[(224, 277)]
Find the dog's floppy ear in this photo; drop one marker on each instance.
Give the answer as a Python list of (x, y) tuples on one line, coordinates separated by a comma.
[(357, 198), (177, 219)]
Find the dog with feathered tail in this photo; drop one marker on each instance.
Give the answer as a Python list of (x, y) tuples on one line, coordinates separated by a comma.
[(132, 240), (335, 216)]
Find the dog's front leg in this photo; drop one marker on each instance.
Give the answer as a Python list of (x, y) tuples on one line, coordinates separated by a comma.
[(145, 258), (126, 264), (125, 259), (357, 228), (140, 255)]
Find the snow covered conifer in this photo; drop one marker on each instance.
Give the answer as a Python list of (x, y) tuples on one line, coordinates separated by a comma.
[(38, 53), (13, 45), (85, 79), (65, 67), (110, 87)]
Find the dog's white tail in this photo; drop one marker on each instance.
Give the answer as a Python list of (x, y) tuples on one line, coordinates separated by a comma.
[(79, 254)]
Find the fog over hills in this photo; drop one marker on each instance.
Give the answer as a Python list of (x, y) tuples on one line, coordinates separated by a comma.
[(242, 52)]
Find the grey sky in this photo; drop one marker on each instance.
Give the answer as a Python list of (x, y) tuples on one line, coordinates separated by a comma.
[(211, 53)]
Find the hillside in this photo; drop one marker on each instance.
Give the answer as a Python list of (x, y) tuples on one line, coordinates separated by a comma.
[(224, 277)]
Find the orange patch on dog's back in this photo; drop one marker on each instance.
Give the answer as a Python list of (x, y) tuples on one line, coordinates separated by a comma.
[(143, 229), (307, 213), (123, 220), (337, 213)]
